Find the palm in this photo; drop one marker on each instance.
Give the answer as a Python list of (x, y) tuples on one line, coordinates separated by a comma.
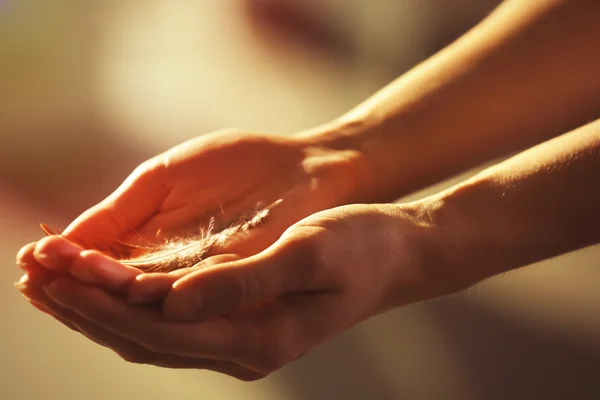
[(223, 175)]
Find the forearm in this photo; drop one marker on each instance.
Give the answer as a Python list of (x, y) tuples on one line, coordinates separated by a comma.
[(539, 204), (525, 74)]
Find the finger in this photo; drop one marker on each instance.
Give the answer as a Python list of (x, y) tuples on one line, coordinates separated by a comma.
[(154, 287), (30, 285), (134, 353), (60, 255), (93, 267), (151, 288), (25, 255), (221, 289), (36, 276), (55, 253), (31, 288), (216, 339), (127, 208)]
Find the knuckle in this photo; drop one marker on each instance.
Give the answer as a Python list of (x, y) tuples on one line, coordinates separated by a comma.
[(150, 165), (150, 169), (302, 252), (308, 257)]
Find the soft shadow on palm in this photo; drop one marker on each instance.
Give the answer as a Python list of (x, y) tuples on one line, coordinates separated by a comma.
[(223, 175)]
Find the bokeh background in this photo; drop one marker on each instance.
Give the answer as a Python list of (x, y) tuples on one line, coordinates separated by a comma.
[(89, 89)]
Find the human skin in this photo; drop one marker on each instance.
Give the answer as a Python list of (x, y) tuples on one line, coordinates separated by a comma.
[(336, 268), (525, 74)]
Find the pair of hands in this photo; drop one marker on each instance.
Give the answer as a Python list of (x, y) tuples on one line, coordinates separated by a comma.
[(265, 298)]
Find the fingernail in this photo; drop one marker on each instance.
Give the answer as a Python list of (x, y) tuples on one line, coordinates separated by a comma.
[(22, 284)]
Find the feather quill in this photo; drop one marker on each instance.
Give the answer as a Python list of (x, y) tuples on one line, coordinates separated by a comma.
[(183, 252)]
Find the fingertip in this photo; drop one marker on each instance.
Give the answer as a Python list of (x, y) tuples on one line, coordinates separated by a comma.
[(216, 289), (188, 298), (154, 287), (38, 274), (25, 254), (57, 289), (207, 292), (89, 253), (55, 252), (23, 283), (51, 288), (149, 288), (31, 284)]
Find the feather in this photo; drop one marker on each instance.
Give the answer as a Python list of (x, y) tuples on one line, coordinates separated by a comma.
[(182, 252)]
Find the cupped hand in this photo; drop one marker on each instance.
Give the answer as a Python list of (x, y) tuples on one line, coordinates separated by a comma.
[(224, 175), (35, 287), (325, 274)]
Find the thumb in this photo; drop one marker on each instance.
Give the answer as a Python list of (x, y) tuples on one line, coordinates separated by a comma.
[(228, 287), (124, 210)]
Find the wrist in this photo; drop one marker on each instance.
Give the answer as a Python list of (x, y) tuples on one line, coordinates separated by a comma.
[(470, 236), (339, 145), (357, 139), (427, 256)]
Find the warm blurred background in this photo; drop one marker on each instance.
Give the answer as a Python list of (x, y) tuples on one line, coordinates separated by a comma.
[(89, 89)]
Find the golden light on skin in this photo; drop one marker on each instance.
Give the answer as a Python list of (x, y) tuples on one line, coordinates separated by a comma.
[(64, 364), (557, 296), (135, 82)]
